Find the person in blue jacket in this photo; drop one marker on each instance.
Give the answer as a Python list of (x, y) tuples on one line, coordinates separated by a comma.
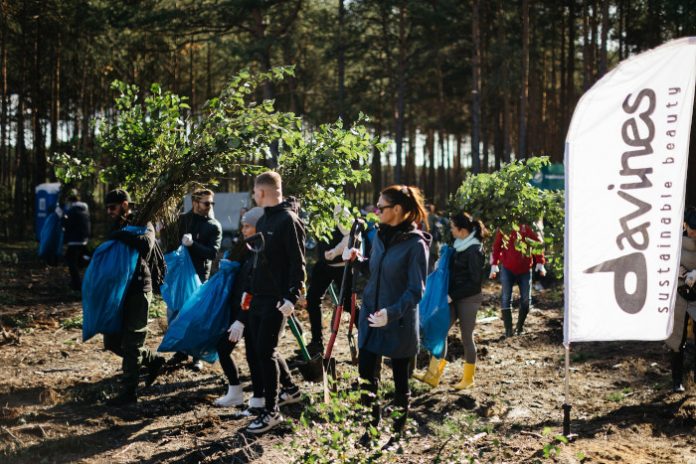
[(388, 324)]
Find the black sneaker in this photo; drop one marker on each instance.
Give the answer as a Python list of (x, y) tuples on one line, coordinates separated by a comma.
[(265, 422), (125, 398), (289, 395), (178, 358), (154, 369)]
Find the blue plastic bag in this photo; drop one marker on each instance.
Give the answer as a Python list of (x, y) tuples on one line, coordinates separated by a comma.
[(180, 282), (51, 237), (434, 311), (107, 277), (204, 318)]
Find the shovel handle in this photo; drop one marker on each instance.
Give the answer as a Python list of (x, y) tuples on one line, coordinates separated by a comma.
[(298, 335)]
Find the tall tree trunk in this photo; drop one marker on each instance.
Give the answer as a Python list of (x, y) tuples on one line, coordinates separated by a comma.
[(192, 76), (55, 94), (341, 59), (208, 74), (570, 67), (401, 92), (38, 141), (376, 170), (522, 149), (4, 152), (430, 143), (605, 36), (476, 88), (21, 180)]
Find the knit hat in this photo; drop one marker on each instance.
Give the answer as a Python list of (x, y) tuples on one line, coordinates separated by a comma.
[(252, 216)]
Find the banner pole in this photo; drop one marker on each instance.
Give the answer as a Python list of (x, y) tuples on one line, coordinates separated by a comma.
[(566, 404)]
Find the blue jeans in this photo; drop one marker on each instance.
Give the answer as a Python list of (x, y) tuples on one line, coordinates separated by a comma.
[(523, 281)]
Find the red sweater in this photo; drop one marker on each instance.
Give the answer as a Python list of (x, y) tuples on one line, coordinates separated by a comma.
[(509, 257)]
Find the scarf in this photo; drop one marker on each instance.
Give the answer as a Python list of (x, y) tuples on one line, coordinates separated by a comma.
[(462, 244)]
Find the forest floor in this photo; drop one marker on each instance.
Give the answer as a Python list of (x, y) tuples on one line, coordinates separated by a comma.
[(53, 389)]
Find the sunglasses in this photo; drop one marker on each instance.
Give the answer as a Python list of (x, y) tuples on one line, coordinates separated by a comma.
[(381, 208), (207, 203)]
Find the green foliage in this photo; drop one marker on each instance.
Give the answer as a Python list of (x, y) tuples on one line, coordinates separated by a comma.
[(72, 323), (551, 449), (318, 166), (72, 169), (158, 153), (506, 199)]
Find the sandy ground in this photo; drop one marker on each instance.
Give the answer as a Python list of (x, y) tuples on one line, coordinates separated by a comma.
[(53, 389)]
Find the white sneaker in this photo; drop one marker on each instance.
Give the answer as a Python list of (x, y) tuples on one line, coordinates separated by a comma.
[(265, 422), (197, 365), (289, 396), (234, 397)]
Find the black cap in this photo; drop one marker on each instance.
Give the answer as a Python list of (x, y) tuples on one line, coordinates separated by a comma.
[(117, 196)]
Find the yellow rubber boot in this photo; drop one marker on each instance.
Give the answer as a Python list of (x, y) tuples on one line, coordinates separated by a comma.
[(467, 378), (421, 375), (434, 372)]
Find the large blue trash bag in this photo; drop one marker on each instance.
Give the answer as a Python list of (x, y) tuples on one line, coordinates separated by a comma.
[(180, 282), (107, 277), (204, 318), (51, 237), (434, 311)]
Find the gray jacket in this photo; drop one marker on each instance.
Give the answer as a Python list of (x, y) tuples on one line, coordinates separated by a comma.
[(396, 282)]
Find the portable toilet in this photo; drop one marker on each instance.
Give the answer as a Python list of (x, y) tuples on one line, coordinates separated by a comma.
[(46, 201)]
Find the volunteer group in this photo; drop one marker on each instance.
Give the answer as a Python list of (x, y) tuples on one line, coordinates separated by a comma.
[(393, 262)]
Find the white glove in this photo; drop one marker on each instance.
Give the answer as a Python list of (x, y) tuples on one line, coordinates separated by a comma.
[(187, 240), (540, 269), (59, 211), (349, 254), (690, 278), (236, 330), (494, 271), (285, 307), (378, 319)]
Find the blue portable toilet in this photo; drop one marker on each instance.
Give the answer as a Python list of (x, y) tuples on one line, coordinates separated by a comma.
[(46, 201)]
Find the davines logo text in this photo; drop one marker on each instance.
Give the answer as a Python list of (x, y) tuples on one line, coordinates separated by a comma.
[(638, 134)]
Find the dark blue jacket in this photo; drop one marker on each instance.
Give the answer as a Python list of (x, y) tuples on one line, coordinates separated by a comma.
[(76, 224), (397, 280)]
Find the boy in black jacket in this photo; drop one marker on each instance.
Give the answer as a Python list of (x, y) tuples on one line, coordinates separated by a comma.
[(276, 286)]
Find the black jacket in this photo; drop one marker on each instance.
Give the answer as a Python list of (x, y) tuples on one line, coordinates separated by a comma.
[(242, 282), (142, 279), (76, 224), (466, 272), (207, 236), (280, 271)]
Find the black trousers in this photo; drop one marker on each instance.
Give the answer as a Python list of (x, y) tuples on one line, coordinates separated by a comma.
[(129, 343), (75, 261), (322, 276), (229, 367), (265, 325), (369, 367)]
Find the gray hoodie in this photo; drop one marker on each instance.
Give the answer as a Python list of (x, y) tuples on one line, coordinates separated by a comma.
[(397, 280)]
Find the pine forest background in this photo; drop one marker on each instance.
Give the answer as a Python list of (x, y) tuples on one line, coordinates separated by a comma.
[(453, 85)]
